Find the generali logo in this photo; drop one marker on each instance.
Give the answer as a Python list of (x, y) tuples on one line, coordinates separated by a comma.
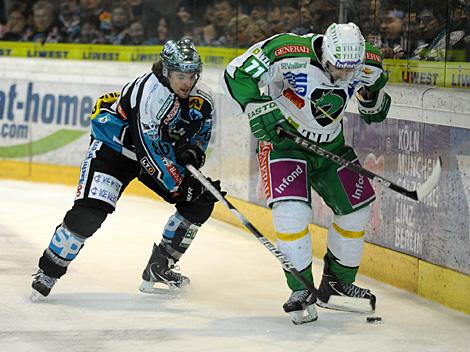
[(292, 49), (373, 57)]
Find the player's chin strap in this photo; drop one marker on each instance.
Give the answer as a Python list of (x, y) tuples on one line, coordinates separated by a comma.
[(286, 264), (419, 194)]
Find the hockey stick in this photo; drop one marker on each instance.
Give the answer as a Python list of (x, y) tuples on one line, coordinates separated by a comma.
[(419, 194), (286, 264)]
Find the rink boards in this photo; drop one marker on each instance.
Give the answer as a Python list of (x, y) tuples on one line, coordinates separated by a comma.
[(44, 123)]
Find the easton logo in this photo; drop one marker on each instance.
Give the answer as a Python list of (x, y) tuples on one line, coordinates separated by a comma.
[(294, 98), (373, 57), (292, 49)]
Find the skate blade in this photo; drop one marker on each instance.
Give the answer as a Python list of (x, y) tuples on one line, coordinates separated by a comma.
[(149, 287), (307, 315), (36, 296), (347, 304)]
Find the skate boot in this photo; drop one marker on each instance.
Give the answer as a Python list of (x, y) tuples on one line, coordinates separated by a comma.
[(158, 270), (334, 294), (301, 307), (42, 285)]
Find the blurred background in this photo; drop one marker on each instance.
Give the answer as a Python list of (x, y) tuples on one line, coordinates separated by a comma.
[(432, 30)]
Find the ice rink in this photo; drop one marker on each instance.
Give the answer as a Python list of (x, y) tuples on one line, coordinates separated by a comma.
[(234, 302)]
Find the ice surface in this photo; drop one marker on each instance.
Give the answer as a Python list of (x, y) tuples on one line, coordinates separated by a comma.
[(234, 302)]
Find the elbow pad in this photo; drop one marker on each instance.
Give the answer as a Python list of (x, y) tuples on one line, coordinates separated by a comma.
[(374, 110)]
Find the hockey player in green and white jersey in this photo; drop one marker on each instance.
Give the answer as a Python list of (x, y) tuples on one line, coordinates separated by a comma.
[(308, 82)]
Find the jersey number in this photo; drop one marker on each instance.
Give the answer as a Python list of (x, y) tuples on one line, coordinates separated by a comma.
[(256, 67)]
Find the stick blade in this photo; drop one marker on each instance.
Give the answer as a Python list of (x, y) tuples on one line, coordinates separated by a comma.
[(423, 191)]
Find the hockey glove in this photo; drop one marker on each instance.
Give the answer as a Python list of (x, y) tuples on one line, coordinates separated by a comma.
[(207, 197), (264, 117), (186, 153), (189, 190), (376, 109)]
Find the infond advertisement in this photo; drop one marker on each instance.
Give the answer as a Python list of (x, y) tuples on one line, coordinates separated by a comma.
[(45, 121)]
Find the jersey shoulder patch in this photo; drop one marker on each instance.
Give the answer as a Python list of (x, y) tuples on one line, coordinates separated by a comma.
[(201, 98), (373, 55), (286, 46)]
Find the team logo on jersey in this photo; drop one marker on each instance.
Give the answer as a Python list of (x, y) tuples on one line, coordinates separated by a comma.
[(294, 98), (291, 49), (367, 71), (297, 81), (196, 103), (327, 104)]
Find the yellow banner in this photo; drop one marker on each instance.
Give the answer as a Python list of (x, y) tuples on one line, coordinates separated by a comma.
[(210, 56), (450, 74), (442, 74)]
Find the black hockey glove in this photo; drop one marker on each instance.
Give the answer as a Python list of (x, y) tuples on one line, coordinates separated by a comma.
[(186, 153), (207, 197), (189, 190)]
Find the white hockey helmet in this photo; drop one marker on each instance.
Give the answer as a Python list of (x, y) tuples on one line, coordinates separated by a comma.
[(343, 46)]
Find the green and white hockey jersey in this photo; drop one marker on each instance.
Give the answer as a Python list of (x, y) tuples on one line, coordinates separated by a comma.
[(289, 67)]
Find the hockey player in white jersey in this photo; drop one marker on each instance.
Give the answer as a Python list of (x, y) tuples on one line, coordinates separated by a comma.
[(308, 82), (159, 123)]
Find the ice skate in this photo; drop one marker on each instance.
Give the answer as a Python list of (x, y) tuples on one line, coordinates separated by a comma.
[(158, 270), (42, 285), (301, 307), (334, 294)]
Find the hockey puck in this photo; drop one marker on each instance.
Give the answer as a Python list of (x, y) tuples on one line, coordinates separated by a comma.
[(373, 319)]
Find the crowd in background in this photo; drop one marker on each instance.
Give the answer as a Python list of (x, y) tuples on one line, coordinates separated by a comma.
[(425, 29)]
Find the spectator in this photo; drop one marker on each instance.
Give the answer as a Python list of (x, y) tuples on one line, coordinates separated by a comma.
[(94, 9), (258, 12), (137, 36), (237, 34), (291, 17), (164, 32), (257, 31), (69, 16), (324, 12), (458, 42), (208, 26), (185, 22), (15, 28), (121, 17), (90, 32), (224, 11), (431, 27), (46, 26), (276, 23), (394, 44), (137, 8)]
